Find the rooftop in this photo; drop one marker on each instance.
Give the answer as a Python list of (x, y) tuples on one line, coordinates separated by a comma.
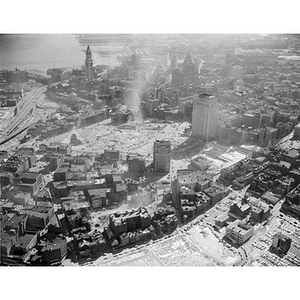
[(21, 195), (57, 244), (97, 193), (222, 218), (30, 175), (240, 227), (280, 235), (25, 240), (5, 239), (15, 221)]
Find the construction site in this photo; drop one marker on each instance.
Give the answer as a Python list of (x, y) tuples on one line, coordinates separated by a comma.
[(196, 243), (146, 164), (200, 244)]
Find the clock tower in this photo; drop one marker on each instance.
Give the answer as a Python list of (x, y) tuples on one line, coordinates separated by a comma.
[(89, 69)]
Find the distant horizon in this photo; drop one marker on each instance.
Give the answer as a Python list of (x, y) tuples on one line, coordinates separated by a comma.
[(43, 51)]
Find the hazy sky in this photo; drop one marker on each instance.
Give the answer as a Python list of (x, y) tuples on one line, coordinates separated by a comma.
[(43, 51), (40, 51)]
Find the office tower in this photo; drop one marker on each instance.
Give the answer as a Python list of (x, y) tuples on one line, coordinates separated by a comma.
[(205, 117), (89, 69), (173, 59), (190, 70), (161, 156), (161, 95), (186, 75), (281, 243), (262, 136)]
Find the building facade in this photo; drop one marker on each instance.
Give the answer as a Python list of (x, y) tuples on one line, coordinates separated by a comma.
[(89, 69), (238, 233), (161, 156), (54, 252), (136, 164), (186, 75), (205, 118), (281, 243)]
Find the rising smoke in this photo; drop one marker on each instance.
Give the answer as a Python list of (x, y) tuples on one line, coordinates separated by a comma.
[(200, 65), (101, 59), (136, 105), (133, 100)]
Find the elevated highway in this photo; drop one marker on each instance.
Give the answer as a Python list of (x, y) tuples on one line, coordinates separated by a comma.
[(24, 109)]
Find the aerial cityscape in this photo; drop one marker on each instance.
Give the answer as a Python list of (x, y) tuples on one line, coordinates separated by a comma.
[(150, 150)]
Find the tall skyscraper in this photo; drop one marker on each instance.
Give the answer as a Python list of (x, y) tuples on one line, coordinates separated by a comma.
[(173, 59), (162, 156), (186, 75), (89, 69), (205, 118), (190, 69)]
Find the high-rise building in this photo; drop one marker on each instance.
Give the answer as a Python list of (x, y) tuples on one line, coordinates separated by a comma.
[(89, 69), (205, 118), (162, 156), (281, 243), (186, 75), (173, 59), (190, 69)]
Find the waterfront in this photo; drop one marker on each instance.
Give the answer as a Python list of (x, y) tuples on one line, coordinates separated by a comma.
[(39, 52)]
